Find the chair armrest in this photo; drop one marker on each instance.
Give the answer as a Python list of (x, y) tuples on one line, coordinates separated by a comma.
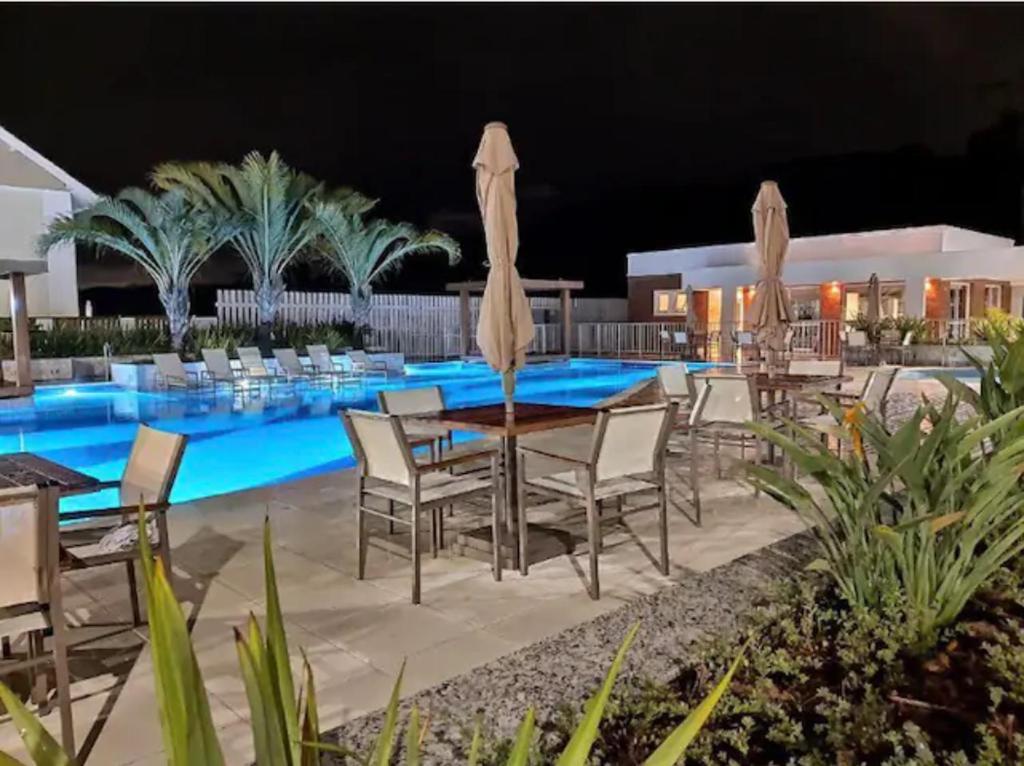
[(446, 463), (553, 455), (124, 510)]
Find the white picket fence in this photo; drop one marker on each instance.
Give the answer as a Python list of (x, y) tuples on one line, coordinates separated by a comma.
[(419, 326)]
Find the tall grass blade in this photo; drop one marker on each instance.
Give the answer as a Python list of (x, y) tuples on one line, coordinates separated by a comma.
[(524, 737), (674, 746), (41, 746), (412, 738), (381, 753), (578, 749)]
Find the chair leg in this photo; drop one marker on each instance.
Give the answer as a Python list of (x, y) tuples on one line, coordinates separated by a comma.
[(415, 549), (594, 533), (440, 527), (37, 679), (133, 590), (496, 555), (599, 542), (361, 529), (718, 455), (391, 512), (694, 471), (521, 529), (60, 661), (663, 523), (433, 531), (757, 461)]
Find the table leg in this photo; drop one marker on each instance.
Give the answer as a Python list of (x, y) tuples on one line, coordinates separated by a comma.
[(771, 446), (790, 469), (511, 496)]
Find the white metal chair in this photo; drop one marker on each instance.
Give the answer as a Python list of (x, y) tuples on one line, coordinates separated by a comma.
[(721, 412), (30, 596), (364, 365), (388, 469), (855, 344), (417, 401), (289, 363), (110, 535), (626, 456), (679, 386), (171, 372), (872, 398), (825, 367)]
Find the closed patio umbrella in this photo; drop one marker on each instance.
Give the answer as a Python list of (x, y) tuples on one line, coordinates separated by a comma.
[(771, 310), (505, 328), (874, 312)]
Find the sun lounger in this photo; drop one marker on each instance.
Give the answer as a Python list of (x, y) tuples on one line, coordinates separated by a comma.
[(363, 365), (171, 373), (325, 365), (253, 367), (218, 367), (293, 369)]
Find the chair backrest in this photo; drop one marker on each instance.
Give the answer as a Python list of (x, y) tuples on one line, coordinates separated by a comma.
[(358, 356), (725, 399), (170, 366), (908, 338), (672, 381), (217, 362), (787, 339), (856, 339), (252, 360), (833, 367), (409, 401), (27, 552), (745, 338), (288, 360), (664, 335), (380, 446), (876, 388), (631, 440), (320, 357), (152, 466), (680, 338)]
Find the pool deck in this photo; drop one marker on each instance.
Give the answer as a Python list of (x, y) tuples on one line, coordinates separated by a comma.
[(357, 633)]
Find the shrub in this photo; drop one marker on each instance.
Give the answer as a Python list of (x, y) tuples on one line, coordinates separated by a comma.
[(922, 512)]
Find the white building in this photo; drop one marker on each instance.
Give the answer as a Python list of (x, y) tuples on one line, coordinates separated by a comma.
[(33, 191), (937, 272)]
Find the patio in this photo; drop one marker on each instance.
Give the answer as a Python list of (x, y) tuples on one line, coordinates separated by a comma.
[(357, 633)]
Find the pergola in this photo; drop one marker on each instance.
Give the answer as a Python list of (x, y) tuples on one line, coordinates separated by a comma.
[(563, 287), (15, 270)]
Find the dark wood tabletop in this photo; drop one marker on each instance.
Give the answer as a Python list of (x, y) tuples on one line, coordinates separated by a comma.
[(24, 469), (782, 381), (491, 419)]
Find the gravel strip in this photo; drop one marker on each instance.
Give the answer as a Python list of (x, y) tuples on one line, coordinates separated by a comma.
[(565, 668)]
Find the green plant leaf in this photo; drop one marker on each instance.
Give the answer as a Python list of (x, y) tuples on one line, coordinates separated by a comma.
[(412, 738), (674, 746), (818, 565), (578, 749), (381, 753), (41, 746), (524, 737), (6, 760), (474, 746)]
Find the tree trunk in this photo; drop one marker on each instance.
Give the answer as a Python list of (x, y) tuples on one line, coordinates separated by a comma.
[(177, 307), (268, 292), (361, 305)]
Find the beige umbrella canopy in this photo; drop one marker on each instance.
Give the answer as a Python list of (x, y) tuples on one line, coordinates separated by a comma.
[(505, 328), (771, 309)]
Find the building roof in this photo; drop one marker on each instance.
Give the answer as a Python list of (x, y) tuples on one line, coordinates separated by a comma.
[(865, 244), (22, 166), (529, 285)]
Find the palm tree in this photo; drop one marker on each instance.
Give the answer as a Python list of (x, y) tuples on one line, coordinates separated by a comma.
[(364, 251), (165, 234), (274, 204)]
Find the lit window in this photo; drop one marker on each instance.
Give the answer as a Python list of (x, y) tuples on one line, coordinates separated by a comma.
[(681, 303), (661, 303), (993, 296)]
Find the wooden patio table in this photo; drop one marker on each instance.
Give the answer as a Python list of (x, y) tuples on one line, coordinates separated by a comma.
[(493, 420)]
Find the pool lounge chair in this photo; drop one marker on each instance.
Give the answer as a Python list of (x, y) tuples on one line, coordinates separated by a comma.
[(363, 365), (110, 535), (30, 598), (325, 366), (625, 456), (218, 367), (872, 398), (294, 370), (171, 373), (253, 367), (388, 470)]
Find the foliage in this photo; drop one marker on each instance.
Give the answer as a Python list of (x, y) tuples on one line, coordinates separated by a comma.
[(1001, 388), (365, 251), (64, 341), (164, 234), (273, 206), (921, 513), (827, 684), (922, 331), (998, 326)]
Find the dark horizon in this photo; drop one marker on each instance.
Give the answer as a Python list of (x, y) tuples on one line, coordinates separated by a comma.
[(637, 127)]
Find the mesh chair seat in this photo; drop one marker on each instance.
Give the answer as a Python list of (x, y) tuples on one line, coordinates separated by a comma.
[(566, 483), (434, 488), (15, 622)]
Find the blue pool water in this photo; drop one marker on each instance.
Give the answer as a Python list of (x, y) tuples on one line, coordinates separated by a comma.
[(237, 443), (930, 373)]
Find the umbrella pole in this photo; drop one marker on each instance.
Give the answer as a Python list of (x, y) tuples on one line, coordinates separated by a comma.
[(508, 384)]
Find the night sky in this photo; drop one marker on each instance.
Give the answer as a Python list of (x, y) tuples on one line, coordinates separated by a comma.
[(637, 127)]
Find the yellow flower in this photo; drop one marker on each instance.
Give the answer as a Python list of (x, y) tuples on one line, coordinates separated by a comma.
[(852, 419)]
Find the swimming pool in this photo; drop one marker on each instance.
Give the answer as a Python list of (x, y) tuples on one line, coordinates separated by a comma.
[(931, 373), (238, 443)]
